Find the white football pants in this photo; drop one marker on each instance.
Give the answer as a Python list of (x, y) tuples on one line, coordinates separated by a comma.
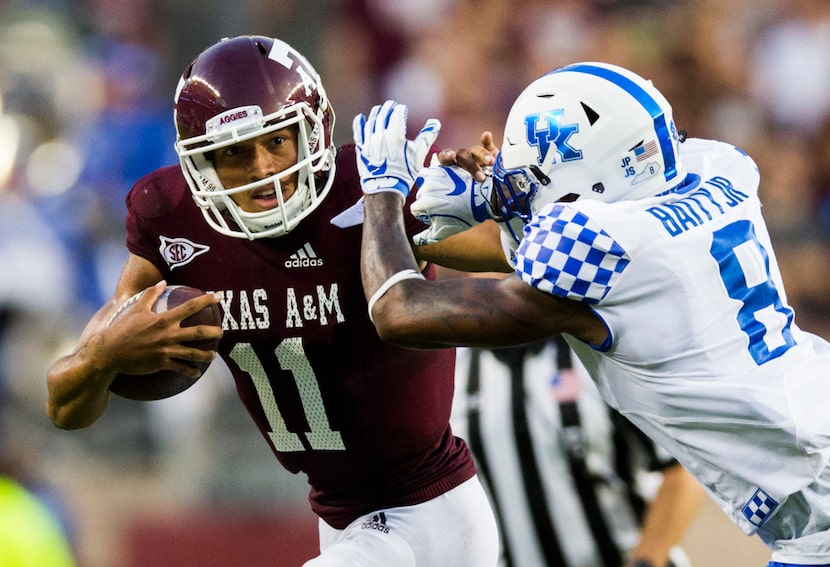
[(456, 529)]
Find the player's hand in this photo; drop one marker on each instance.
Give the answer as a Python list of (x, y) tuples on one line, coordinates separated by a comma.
[(141, 341), (450, 201), (478, 160), (386, 160)]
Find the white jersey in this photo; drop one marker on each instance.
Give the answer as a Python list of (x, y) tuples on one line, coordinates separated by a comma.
[(704, 353), (569, 478)]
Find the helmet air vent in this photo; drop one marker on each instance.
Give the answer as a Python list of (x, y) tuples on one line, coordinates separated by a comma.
[(590, 113)]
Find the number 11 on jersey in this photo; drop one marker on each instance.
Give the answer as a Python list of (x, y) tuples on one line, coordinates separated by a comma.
[(292, 358)]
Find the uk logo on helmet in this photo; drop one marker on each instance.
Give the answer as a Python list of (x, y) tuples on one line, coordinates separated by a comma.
[(555, 133)]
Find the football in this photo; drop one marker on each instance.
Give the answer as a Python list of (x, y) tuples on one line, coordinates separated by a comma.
[(166, 383)]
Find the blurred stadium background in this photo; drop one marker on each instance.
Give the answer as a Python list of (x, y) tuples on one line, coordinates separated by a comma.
[(86, 91)]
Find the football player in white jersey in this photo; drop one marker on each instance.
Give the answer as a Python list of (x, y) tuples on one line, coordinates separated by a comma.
[(572, 482), (650, 253)]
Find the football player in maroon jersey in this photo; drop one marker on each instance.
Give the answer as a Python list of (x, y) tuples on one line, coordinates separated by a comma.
[(264, 213)]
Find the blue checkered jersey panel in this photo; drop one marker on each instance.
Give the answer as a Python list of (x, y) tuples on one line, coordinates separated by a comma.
[(565, 253), (759, 507)]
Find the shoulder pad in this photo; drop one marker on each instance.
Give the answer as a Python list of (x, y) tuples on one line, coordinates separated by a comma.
[(158, 193)]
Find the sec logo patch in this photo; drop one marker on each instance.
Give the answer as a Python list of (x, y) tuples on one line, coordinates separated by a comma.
[(180, 251)]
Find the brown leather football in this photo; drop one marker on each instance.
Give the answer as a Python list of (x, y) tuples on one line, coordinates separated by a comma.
[(166, 383)]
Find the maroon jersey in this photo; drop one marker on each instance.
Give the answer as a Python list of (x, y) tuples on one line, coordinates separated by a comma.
[(366, 421)]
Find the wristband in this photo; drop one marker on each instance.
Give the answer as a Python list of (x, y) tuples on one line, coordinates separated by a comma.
[(408, 274)]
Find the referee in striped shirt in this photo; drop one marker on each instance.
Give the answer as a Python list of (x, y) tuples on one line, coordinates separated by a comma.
[(573, 483)]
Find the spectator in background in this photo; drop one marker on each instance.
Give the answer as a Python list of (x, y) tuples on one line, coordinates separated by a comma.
[(127, 136), (790, 66), (821, 161)]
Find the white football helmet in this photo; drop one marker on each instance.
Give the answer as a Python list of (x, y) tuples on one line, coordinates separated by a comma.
[(588, 130), (239, 89)]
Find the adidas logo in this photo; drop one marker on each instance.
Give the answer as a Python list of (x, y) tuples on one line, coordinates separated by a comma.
[(303, 258), (378, 522)]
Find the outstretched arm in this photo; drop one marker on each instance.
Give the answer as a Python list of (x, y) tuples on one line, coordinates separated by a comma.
[(410, 311), (454, 197), (474, 249), (485, 312), (477, 249)]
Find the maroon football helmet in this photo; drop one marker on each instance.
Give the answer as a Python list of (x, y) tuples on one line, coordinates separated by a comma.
[(239, 89)]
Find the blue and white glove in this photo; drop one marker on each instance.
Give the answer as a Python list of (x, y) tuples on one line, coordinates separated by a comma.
[(450, 201), (386, 160)]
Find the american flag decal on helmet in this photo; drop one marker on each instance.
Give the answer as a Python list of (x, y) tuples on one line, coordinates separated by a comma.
[(645, 151)]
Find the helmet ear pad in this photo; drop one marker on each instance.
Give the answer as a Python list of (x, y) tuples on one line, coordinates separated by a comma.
[(594, 131), (239, 89)]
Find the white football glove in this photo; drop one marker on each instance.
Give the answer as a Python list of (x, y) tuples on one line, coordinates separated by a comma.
[(450, 201), (386, 160)]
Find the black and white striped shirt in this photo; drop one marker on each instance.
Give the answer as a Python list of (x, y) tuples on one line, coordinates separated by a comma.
[(569, 478)]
